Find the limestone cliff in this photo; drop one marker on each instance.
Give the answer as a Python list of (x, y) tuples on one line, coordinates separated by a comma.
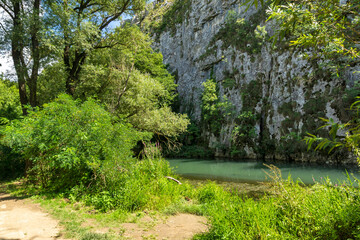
[(284, 91)]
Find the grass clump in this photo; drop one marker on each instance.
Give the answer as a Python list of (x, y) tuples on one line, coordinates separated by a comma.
[(144, 186)]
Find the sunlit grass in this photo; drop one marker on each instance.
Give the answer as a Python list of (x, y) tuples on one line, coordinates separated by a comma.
[(287, 210)]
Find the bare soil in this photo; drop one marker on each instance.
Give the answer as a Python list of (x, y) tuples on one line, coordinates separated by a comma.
[(20, 219), (177, 227)]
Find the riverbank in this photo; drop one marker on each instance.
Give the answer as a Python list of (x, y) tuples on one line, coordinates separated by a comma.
[(286, 210)]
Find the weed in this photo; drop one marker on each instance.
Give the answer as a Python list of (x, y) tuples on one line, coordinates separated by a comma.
[(94, 236)]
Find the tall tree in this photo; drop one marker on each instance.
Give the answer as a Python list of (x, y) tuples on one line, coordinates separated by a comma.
[(81, 26), (21, 32), (130, 79)]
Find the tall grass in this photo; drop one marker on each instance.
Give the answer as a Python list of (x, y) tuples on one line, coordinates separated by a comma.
[(142, 185), (322, 211)]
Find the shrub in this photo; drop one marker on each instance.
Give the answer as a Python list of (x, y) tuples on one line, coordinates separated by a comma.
[(10, 163), (68, 142), (10, 107)]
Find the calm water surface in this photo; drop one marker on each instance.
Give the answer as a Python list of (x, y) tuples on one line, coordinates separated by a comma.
[(254, 171)]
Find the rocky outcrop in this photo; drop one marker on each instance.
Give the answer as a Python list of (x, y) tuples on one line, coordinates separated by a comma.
[(286, 92)]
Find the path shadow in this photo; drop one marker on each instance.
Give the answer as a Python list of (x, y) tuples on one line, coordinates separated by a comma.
[(32, 238), (6, 197), (7, 189)]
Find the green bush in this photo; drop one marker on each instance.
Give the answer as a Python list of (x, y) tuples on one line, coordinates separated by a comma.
[(11, 165), (68, 143), (10, 107), (244, 131), (291, 145)]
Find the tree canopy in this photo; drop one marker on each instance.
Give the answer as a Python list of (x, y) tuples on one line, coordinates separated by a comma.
[(84, 49), (37, 31), (91, 88)]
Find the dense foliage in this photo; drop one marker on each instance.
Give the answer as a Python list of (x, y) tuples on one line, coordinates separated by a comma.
[(10, 109), (68, 143), (323, 30), (39, 32), (215, 108), (120, 91), (130, 79), (9, 102)]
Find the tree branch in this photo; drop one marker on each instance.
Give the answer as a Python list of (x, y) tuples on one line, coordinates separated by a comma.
[(125, 87), (7, 9), (109, 19), (4, 29), (173, 179)]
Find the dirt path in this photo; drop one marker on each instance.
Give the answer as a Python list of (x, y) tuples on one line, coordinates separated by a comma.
[(177, 227), (21, 219)]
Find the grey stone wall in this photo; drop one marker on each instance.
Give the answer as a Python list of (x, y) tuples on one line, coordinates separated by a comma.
[(293, 92)]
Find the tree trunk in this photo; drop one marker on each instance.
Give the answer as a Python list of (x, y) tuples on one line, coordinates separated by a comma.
[(35, 53), (17, 47), (73, 70)]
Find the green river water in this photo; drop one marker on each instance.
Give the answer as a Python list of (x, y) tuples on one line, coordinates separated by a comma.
[(250, 171)]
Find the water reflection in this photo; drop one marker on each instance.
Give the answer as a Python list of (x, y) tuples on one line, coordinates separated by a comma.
[(254, 171)]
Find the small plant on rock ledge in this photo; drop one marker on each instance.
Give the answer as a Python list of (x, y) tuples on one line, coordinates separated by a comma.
[(244, 133), (215, 109)]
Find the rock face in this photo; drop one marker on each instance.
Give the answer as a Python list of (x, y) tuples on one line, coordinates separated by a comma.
[(284, 91)]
